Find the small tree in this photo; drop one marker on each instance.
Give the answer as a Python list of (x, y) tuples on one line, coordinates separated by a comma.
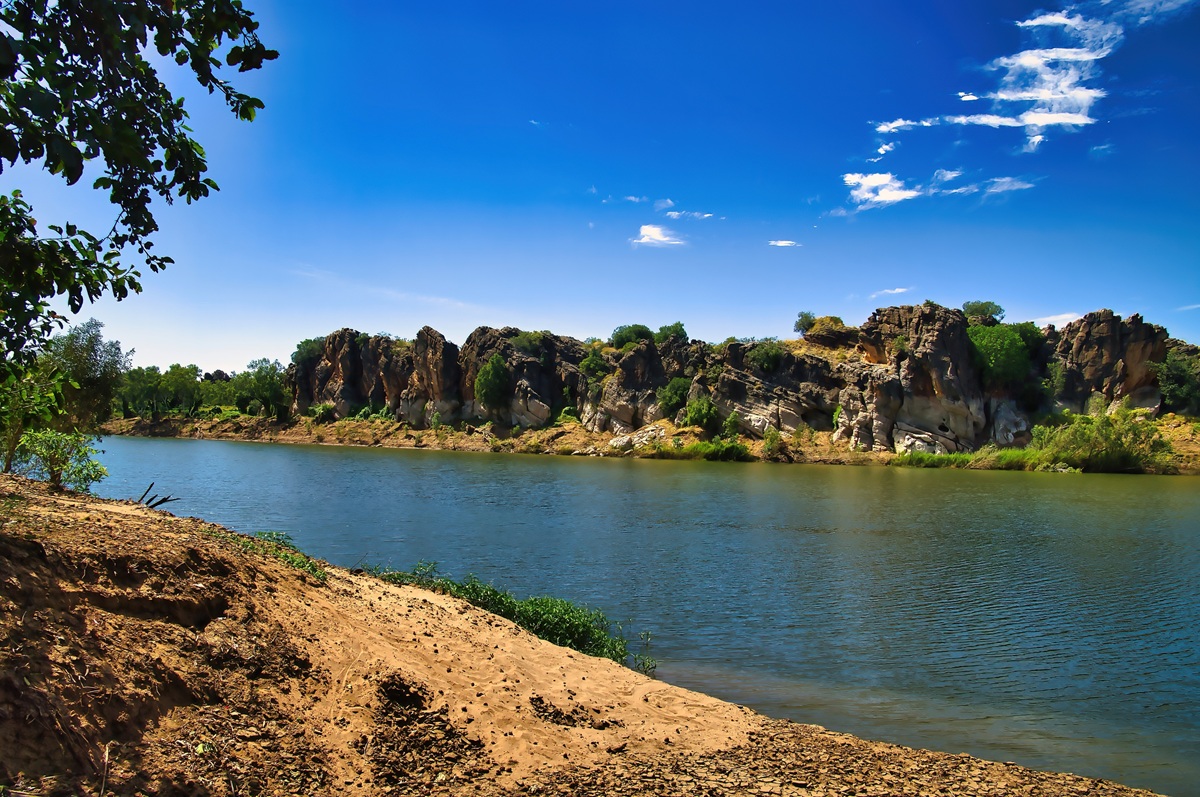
[(729, 429), (62, 459), (1001, 355), (804, 322), (1179, 381), (32, 399), (669, 331), (630, 333), (673, 395), (983, 309), (492, 384), (703, 413), (92, 368)]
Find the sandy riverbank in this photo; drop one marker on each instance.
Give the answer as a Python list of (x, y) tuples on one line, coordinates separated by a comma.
[(148, 654)]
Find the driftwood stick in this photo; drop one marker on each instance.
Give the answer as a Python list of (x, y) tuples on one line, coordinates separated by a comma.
[(148, 489)]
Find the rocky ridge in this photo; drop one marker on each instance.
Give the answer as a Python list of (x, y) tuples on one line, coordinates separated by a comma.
[(904, 381)]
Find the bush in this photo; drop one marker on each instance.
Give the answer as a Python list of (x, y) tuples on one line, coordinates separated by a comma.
[(1124, 442), (492, 384), (703, 413), (528, 342), (772, 442), (62, 459), (555, 620), (668, 331), (827, 323), (630, 333), (1031, 336), (765, 355), (308, 352), (1179, 381), (729, 429), (594, 365), (804, 322), (1000, 354), (673, 395)]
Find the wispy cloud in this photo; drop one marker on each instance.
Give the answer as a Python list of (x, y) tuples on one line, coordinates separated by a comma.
[(877, 190), (889, 292), (1002, 185), (663, 204), (636, 199), (687, 214), (1188, 307), (1051, 85), (656, 235), (1058, 320), (329, 279), (782, 243)]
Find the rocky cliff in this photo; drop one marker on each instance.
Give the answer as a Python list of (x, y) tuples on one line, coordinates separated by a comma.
[(907, 380)]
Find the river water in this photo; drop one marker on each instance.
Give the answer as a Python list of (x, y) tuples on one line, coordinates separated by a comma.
[(1047, 619)]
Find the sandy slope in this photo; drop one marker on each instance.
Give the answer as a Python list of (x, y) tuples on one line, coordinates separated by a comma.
[(143, 653)]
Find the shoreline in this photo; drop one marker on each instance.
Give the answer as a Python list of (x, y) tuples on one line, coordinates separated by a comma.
[(569, 439), (163, 653)]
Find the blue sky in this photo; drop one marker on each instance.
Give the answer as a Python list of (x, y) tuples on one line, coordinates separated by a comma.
[(568, 167)]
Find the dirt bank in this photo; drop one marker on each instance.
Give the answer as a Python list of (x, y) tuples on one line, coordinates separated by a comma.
[(142, 653)]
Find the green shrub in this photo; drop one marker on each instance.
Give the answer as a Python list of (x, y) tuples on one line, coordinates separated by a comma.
[(492, 384), (60, 458), (568, 414), (435, 421), (668, 331), (1031, 336), (772, 442), (630, 333), (1000, 354), (1179, 381), (703, 413), (922, 459), (555, 620), (308, 352), (594, 364), (528, 342), (673, 395), (322, 413), (765, 355), (900, 344), (731, 425), (1125, 441)]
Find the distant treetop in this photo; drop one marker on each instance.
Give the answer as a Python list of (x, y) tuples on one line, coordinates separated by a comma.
[(982, 308)]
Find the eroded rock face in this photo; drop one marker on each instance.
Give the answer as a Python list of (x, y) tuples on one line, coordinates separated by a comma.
[(627, 399), (1106, 355), (913, 388), (936, 394), (540, 371)]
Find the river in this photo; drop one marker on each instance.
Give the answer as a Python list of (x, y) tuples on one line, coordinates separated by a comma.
[(1047, 619)]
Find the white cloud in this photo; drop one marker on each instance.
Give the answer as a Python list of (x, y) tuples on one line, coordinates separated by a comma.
[(1188, 307), (687, 214), (889, 292), (782, 243), (635, 199), (663, 204), (1057, 320), (1101, 150), (877, 190), (1002, 185), (986, 119), (883, 150), (535, 123), (898, 124), (966, 189), (593, 190), (946, 175), (655, 235), (967, 96)]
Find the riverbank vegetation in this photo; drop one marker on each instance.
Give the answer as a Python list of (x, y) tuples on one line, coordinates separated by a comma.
[(556, 620)]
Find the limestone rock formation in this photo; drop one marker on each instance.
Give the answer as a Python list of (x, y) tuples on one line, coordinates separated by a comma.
[(937, 392), (911, 384), (1103, 354)]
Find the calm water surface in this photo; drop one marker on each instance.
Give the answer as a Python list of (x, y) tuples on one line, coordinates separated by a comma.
[(1048, 619)]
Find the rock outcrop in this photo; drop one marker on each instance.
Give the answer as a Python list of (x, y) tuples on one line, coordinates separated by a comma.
[(917, 377), (910, 382), (1105, 355)]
